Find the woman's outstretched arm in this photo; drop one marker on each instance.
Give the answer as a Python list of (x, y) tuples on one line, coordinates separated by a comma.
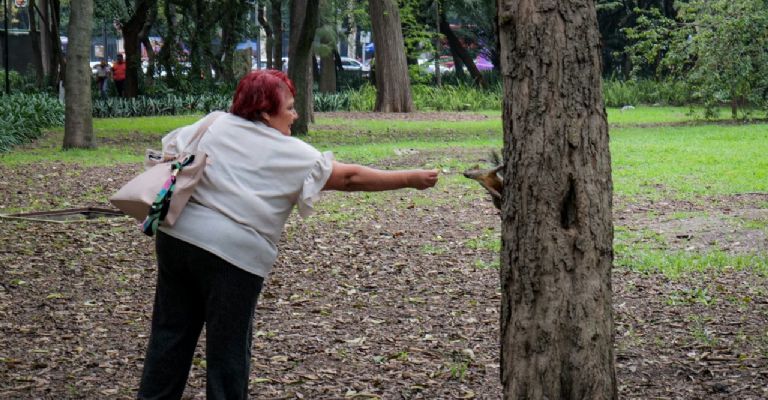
[(353, 177)]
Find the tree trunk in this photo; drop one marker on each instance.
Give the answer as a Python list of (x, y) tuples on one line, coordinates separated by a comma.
[(303, 25), (78, 123), (327, 82), (459, 51), (270, 39), (277, 30), (393, 86), (45, 37), (132, 38), (37, 54), (170, 50), (57, 61), (557, 232), (144, 39)]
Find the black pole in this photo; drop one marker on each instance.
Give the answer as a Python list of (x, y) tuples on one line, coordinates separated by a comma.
[(5, 49)]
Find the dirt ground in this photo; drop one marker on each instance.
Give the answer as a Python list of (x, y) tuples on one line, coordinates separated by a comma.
[(392, 298)]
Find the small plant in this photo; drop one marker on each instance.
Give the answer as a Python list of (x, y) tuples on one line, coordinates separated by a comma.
[(691, 296)]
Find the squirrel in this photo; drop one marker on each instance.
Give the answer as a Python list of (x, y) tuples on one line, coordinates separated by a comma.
[(490, 179)]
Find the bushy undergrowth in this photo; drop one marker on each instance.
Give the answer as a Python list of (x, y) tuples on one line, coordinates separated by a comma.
[(166, 105), (620, 93), (425, 98), (23, 116)]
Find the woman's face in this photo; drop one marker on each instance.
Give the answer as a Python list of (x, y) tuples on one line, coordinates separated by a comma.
[(285, 115)]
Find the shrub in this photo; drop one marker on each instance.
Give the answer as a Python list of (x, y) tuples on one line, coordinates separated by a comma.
[(167, 105), (24, 116), (619, 93)]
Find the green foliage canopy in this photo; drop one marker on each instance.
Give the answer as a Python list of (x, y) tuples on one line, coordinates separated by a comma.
[(719, 48)]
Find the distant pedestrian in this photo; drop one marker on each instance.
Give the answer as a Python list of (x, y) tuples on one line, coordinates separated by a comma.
[(118, 74), (103, 72)]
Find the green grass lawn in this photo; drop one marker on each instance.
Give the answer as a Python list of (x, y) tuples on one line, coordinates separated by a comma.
[(652, 160)]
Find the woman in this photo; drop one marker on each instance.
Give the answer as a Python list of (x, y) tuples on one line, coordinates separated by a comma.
[(213, 261)]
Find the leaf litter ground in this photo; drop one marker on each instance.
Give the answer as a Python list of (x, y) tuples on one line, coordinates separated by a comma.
[(394, 296)]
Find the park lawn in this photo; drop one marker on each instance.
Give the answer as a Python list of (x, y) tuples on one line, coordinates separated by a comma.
[(681, 162), (650, 161)]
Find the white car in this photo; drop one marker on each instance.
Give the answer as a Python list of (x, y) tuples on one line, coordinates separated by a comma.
[(350, 64)]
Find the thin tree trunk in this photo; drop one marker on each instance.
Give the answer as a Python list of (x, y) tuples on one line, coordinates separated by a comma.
[(58, 62), (557, 232), (459, 51), (36, 45), (168, 52), (41, 9), (277, 29), (131, 35), (78, 122), (393, 86), (303, 25), (149, 78), (268, 33), (327, 82)]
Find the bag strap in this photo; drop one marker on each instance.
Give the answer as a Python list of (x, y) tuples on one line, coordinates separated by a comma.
[(209, 119)]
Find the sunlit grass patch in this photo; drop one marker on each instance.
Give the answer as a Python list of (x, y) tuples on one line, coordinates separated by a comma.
[(488, 240), (687, 162), (676, 263)]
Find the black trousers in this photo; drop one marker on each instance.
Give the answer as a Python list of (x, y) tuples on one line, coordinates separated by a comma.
[(196, 288)]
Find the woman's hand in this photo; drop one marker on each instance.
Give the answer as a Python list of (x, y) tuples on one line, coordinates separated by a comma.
[(423, 178)]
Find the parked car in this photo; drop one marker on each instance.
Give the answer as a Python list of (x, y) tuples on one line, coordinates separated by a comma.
[(446, 64), (350, 64)]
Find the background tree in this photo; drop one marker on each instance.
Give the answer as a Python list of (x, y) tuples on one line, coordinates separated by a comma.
[(234, 27), (133, 28), (614, 16), (78, 123), (719, 48), (269, 41), (303, 25), (325, 45), (51, 56), (557, 232), (393, 86), (461, 53)]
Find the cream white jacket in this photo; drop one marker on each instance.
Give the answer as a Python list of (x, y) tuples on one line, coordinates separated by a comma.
[(255, 176)]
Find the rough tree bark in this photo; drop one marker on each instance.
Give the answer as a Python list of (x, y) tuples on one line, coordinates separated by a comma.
[(557, 232), (303, 24), (393, 86), (78, 122)]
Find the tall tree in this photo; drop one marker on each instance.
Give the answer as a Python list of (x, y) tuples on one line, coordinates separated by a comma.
[(276, 16), (233, 22), (303, 26), (557, 232), (270, 42), (133, 28), (78, 122), (170, 51), (393, 86), (458, 50), (325, 45)]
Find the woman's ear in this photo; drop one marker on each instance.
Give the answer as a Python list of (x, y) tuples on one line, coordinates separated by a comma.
[(265, 117)]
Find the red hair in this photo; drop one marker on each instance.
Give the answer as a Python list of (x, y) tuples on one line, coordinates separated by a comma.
[(259, 92)]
